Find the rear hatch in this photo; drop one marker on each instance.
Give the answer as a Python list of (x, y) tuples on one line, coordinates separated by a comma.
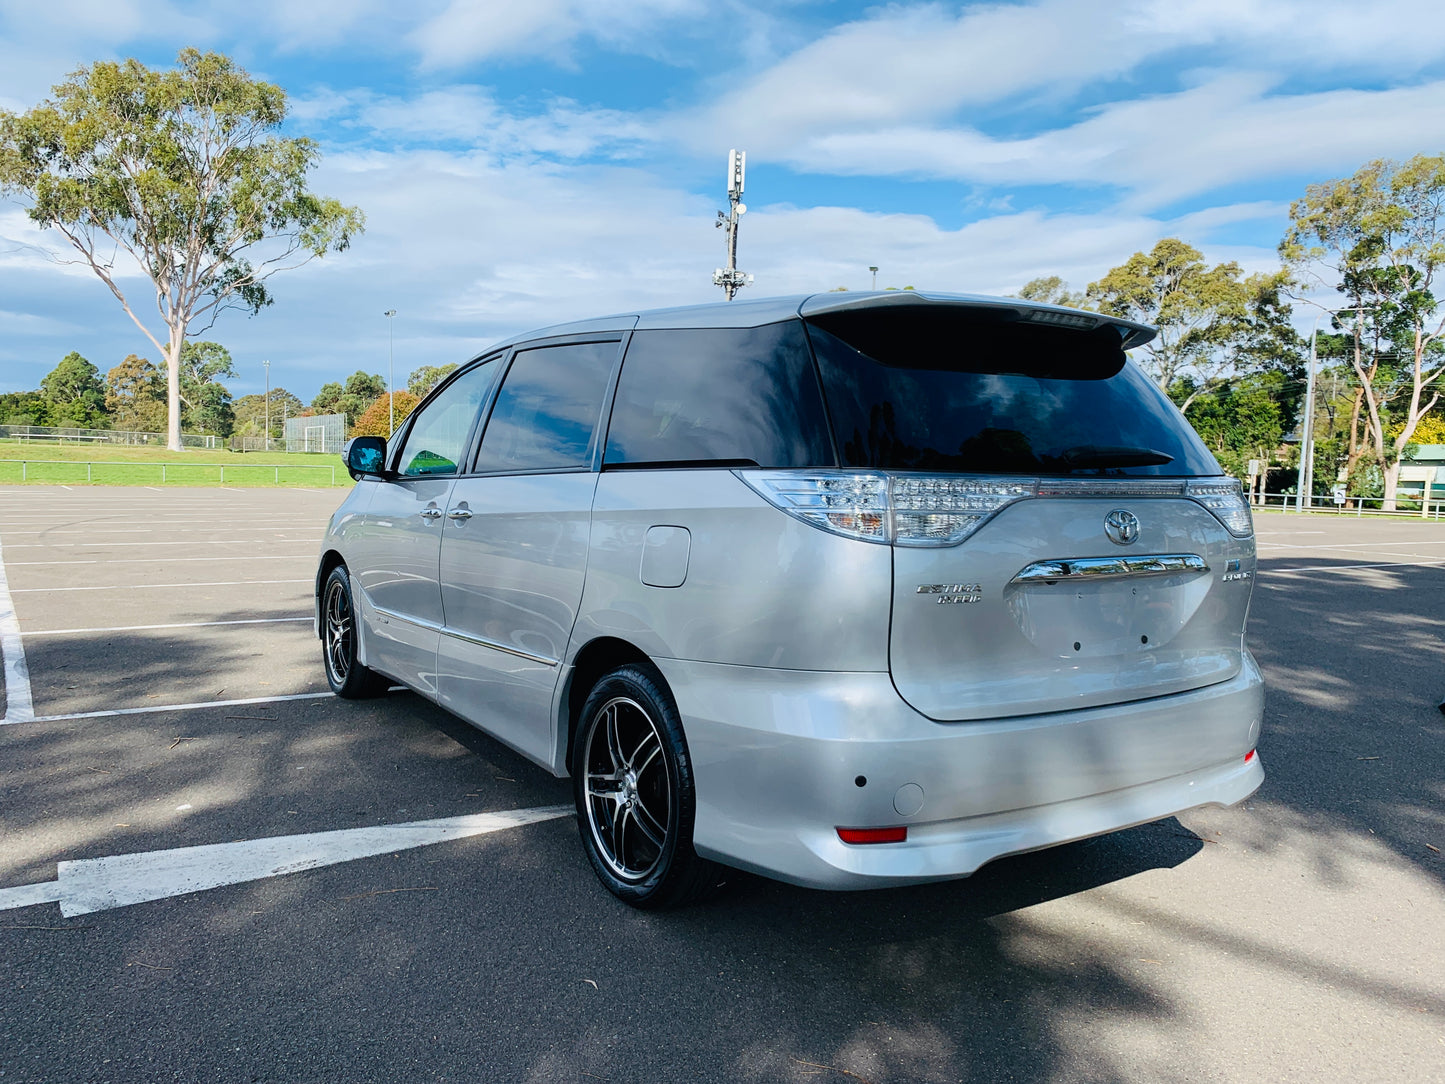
[(1061, 537)]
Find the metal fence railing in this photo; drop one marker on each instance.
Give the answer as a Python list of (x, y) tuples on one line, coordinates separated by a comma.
[(62, 471), (60, 434), (1409, 506)]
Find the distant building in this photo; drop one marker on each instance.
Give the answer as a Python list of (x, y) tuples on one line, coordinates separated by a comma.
[(1425, 468)]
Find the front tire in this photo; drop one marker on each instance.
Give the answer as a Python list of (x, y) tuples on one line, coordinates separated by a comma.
[(636, 802), (339, 637)]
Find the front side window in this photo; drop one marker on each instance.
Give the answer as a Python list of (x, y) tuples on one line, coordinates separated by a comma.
[(734, 396), (548, 408), (436, 441)]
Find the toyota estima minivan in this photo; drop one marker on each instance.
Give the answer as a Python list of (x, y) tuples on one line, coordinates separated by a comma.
[(847, 590)]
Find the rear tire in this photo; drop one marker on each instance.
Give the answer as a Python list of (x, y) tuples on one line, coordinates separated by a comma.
[(346, 676), (636, 802)]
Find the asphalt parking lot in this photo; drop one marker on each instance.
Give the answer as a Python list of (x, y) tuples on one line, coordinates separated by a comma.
[(144, 937)]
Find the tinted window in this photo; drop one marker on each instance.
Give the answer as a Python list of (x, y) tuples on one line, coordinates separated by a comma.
[(956, 393), (548, 408), (719, 395), (437, 439)]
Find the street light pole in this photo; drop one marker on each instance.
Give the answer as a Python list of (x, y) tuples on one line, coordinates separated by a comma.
[(390, 373), (875, 277), (266, 435)]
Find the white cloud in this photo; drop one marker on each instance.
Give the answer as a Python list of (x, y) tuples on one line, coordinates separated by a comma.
[(1163, 148), (913, 67), (473, 30)]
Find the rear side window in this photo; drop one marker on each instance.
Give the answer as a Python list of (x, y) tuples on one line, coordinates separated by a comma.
[(548, 409), (959, 390), (733, 396)]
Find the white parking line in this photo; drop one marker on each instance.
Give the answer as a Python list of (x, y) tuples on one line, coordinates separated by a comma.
[(214, 558), (19, 706), (100, 884), (176, 625), (152, 709), (148, 586), (191, 542), (1346, 568), (1355, 545)]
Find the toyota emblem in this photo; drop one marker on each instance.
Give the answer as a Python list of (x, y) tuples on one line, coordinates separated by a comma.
[(1122, 526)]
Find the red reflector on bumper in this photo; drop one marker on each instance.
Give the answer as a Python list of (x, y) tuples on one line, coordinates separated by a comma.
[(1249, 756), (873, 835)]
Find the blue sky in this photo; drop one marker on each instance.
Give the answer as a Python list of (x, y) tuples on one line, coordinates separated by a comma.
[(521, 164)]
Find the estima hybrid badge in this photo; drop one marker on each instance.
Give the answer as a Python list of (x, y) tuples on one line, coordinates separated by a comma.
[(1122, 526)]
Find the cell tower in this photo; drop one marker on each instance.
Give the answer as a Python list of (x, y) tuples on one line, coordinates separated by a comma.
[(730, 278)]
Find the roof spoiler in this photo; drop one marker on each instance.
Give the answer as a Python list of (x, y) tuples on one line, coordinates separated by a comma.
[(1130, 333)]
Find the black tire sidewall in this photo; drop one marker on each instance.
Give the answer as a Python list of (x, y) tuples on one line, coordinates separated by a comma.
[(644, 684), (360, 682)]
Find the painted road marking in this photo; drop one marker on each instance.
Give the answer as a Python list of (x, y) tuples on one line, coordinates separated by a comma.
[(19, 706), (177, 625), (100, 884), (1347, 568), (147, 586), (111, 713), (215, 558), (193, 542)]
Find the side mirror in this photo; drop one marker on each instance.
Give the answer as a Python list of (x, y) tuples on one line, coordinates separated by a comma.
[(365, 455)]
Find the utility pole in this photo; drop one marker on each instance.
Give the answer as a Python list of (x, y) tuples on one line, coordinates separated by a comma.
[(875, 278), (390, 373), (1307, 432), (266, 436), (730, 278)]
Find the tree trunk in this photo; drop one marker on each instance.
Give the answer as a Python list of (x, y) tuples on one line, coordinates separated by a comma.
[(1392, 485), (173, 390)]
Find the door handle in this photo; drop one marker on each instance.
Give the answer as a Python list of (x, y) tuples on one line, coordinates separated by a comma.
[(430, 513), (461, 515)]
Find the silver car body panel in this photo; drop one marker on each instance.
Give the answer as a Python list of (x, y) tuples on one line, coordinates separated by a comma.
[(820, 686), (778, 755), (1024, 646), (512, 572)]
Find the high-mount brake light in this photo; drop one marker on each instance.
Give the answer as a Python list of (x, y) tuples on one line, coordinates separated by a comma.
[(1062, 319), (874, 835)]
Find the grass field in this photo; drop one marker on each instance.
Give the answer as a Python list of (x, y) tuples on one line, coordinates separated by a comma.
[(121, 465)]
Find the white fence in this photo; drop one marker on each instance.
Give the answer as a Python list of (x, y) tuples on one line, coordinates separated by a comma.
[(57, 434), (1406, 505)]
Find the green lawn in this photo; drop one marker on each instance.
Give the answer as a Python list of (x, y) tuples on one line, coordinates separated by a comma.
[(122, 465)]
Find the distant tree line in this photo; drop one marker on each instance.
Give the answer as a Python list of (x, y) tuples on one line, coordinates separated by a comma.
[(1359, 256), (132, 396)]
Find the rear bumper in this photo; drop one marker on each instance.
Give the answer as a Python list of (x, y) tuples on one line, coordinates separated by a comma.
[(778, 755)]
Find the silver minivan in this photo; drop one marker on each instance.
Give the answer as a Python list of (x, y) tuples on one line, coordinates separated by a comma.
[(847, 590)]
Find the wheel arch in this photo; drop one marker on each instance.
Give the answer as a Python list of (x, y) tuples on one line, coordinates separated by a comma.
[(331, 559), (596, 658)]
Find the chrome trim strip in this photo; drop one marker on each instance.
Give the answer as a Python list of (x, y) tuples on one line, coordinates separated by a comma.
[(480, 641), (1110, 568)]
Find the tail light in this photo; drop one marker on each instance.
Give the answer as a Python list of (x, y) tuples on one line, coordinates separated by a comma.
[(943, 510)]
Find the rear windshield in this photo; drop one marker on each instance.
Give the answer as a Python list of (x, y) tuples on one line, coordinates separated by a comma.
[(979, 392)]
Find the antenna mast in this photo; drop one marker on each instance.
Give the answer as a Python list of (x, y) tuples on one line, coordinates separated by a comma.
[(730, 278)]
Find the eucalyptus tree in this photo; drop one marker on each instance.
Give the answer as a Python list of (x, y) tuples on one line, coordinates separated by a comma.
[(1213, 321), (184, 171), (1377, 240)]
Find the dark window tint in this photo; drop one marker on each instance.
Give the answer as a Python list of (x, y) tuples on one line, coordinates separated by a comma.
[(548, 408), (953, 391), (719, 395), (438, 436)]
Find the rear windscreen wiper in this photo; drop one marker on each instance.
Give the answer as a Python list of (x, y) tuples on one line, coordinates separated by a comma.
[(1088, 456)]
